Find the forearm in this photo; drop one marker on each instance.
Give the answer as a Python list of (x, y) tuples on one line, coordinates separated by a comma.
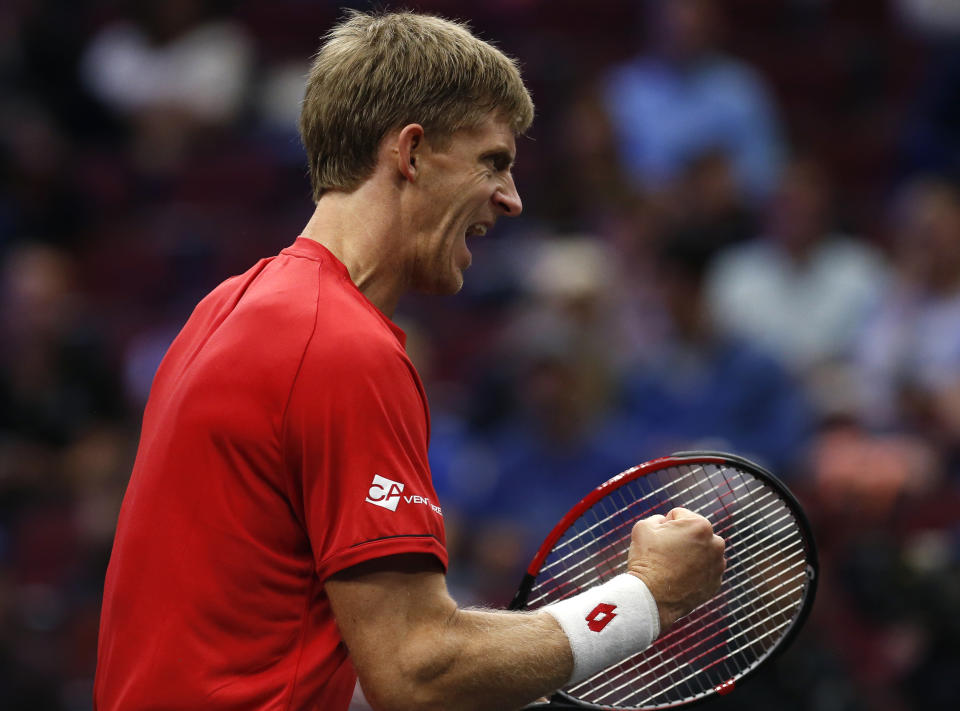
[(413, 648), (477, 659)]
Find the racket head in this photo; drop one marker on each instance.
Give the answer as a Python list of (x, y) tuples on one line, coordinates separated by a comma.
[(767, 592)]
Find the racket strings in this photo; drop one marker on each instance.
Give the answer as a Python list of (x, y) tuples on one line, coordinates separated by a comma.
[(756, 564), (586, 571), (660, 667), (613, 538), (614, 545), (675, 632), (664, 691), (622, 513), (628, 518), (729, 601), (762, 591)]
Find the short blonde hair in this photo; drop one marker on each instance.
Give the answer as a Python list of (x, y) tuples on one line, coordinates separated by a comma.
[(378, 72)]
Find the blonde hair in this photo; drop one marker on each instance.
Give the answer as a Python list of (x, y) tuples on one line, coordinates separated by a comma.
[(379, 72)]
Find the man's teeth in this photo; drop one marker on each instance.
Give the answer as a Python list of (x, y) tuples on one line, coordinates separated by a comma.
[(476, 230)]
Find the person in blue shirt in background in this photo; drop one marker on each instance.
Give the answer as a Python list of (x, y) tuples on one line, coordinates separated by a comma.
[(683, 96)]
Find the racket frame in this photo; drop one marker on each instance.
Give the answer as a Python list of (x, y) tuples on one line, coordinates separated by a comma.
[(560, 700)]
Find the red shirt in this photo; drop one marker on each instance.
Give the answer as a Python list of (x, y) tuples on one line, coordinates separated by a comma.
[(285, 439)]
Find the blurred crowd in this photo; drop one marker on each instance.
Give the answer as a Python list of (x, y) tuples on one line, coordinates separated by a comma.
[(741, 232)]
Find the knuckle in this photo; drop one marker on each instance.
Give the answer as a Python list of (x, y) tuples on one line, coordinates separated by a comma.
[(647, 522), (701, 527)]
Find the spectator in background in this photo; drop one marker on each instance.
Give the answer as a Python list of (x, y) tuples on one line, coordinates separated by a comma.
[(934, 18), (62, 472), (709, 205), (884, 489), (909, 352), (554, 445), (684, 97), (39, 195), (55, 380), (174, 70), (802, 289), (704, 389), (930, 141)]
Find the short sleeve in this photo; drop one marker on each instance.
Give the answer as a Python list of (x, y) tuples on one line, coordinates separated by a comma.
[(356, 436)]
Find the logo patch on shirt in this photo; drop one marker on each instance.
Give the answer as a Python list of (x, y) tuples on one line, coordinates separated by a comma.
[(387, 494), (384, 492)]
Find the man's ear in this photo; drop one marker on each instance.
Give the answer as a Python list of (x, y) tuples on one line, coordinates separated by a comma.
[(409, 147)]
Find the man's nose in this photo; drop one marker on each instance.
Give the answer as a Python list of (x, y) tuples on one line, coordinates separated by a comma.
[(508, 199)]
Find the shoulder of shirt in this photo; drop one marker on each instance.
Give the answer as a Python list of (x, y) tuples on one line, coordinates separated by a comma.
[(286, 295), (347, 330)]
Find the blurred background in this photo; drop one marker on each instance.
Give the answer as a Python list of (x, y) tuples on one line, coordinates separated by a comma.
[(741, 231)]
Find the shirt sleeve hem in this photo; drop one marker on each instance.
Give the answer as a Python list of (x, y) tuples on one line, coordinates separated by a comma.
[(380, 548)]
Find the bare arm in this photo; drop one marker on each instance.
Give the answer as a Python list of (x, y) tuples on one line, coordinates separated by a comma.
[(413, 648)]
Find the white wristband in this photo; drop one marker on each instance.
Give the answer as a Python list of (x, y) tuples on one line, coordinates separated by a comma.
[(607, 623)]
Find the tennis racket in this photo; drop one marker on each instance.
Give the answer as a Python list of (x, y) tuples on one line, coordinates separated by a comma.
[(767, 591)]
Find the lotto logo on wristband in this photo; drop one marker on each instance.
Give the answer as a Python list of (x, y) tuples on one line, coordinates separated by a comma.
[(600, 616)]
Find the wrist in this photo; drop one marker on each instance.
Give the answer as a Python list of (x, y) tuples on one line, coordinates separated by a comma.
[(607, 623), (667, 613)]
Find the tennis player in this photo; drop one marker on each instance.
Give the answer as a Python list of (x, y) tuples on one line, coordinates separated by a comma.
[(280, 534)]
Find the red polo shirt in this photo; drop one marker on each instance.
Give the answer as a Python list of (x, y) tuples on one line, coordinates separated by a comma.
[(285, 439)]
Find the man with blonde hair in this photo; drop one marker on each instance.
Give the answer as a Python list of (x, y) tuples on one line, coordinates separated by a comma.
[(280, 535)]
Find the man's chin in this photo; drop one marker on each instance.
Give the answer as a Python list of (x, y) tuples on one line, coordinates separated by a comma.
[(444, 287), (448, 288)]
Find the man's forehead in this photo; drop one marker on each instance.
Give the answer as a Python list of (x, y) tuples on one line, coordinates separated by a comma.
[(494, 133)]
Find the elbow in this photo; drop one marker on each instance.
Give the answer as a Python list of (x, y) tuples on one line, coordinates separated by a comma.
[(391, 701), (414, 682), (402, 695)]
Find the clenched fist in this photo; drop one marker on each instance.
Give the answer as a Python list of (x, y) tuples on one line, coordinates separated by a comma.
[(680, 560)]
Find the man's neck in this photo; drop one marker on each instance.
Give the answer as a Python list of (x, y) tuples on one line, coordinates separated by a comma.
[(361, 229)]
